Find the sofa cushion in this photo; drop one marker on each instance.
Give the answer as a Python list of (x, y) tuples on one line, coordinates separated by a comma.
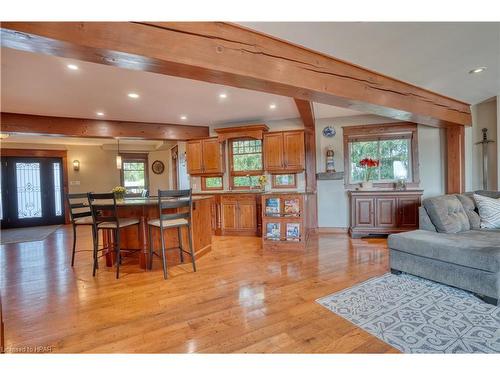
[(478, 249), (489, 211), (469, 206), (447, 214)]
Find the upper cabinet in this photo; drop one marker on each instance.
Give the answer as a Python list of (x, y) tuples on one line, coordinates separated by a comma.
[(205, 156), (284, 151)]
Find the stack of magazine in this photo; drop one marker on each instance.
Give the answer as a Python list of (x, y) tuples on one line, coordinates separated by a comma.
[(292, 231), (272, 207), (291, 207), (273, 231)]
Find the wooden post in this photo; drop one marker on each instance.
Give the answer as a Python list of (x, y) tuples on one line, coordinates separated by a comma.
[(455, 160)]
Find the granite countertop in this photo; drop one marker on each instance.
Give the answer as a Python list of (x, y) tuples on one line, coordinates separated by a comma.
[(255, 191), (153, 200)]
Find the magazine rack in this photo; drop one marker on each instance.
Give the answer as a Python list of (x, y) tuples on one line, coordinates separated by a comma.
[(284, 221)]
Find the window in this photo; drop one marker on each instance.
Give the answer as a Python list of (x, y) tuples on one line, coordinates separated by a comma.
[(211, 183), (134, 176), (284, 181), (394, 145), (245, 162)]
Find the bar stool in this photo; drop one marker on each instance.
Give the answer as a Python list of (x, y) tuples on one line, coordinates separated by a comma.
[(172, 199), (80, 214), (104, 213)]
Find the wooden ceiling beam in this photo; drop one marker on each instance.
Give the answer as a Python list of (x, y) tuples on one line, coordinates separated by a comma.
[(232, 55), (306, 111), (89, 128)]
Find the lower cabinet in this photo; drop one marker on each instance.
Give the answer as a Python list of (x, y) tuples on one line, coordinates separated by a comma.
[(239, 215), (383, 212)]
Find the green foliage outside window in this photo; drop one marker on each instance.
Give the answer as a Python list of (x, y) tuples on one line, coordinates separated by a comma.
[(134, 176), (246, 181), (247, 155), (213, 182), (394, 156)]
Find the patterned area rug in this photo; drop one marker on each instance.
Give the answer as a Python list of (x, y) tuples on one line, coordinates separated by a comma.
[(419, 316), (18, 235)]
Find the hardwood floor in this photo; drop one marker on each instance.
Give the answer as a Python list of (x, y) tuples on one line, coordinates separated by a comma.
[(241, 299)]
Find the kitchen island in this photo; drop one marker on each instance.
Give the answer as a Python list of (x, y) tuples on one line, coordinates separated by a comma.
[(136, 237)]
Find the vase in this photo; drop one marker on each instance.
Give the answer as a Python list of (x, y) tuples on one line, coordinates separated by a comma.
[(367, 185), (119, 197)]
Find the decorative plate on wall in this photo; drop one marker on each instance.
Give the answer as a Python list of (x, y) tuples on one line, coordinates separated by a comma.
[(158, 167), (329, 131)]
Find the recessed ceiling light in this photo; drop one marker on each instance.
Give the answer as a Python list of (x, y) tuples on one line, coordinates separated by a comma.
[(72, 67), (223, 95), (99, 113), (478, 70), (184, 118), (272, 106), (133, 95)]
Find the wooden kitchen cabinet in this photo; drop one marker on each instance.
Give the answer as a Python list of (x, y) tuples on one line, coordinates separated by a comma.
[(284, 151), (239, 214), (383, 211), (205, 157)]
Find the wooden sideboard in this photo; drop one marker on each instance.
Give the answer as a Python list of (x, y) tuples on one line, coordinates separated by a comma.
[(383, 211)]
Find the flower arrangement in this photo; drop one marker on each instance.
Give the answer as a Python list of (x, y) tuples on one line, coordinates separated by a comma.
[(119, 191), (262, 181), (369, 164)]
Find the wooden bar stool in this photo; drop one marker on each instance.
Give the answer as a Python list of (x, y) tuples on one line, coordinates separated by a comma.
[(80, 214), (104, 213), (168, 199)]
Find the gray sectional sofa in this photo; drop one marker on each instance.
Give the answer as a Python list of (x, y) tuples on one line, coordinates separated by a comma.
[(450, 247)]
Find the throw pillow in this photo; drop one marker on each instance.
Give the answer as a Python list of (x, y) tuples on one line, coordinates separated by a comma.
[(489, 211)]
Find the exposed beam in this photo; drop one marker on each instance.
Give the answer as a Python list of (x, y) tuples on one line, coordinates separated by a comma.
[(77, 127), (235, 56), (455, 160), (306, 111)]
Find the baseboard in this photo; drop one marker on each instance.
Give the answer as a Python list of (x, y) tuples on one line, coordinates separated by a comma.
[(332, 230)]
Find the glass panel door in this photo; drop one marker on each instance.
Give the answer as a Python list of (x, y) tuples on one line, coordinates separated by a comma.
[(32, 192)]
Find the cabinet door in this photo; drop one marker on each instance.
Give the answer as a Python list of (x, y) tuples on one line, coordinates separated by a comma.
[(212, 156), (408, 211), (364, 212), (385, 212), (194, 157), (229, 215), (273, 152), (247, 215), (293, 150)]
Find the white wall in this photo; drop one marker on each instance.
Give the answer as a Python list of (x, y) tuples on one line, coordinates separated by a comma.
[(159, 181), (333, 208), (484, 115)]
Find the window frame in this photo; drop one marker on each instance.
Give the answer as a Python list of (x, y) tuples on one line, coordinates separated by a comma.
[(135, 158), (275, 185), (379, 132), (204, 186), (233, 173)]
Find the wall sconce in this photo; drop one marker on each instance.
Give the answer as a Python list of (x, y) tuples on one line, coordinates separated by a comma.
[(76, 165)]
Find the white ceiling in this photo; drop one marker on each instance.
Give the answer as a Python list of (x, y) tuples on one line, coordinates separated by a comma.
[(435, 56), (41, 84)]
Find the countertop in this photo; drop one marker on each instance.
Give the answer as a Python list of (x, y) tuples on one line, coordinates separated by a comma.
[(153, 200), (249, 192)]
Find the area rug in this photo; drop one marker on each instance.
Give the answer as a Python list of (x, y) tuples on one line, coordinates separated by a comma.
[(18, 235), (419, 316)]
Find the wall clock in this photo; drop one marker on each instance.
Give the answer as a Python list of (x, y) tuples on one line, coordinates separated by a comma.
[(158, 167), (329, 131)]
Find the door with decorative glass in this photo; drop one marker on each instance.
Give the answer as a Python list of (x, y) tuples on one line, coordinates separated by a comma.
[(31, 192)]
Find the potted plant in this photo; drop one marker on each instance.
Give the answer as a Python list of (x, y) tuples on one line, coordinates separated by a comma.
[(369, 164), (120, 192)]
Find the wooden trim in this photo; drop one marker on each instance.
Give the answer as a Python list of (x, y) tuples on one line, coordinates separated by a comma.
[(275, 185), (233, 55), (242, 131), (455, 160), (63, 154), (306, 111), (332, 230), (372, 132), (204, 186), (89, 128)]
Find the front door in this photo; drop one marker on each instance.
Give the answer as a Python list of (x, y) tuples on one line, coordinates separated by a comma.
[(31, 192)]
